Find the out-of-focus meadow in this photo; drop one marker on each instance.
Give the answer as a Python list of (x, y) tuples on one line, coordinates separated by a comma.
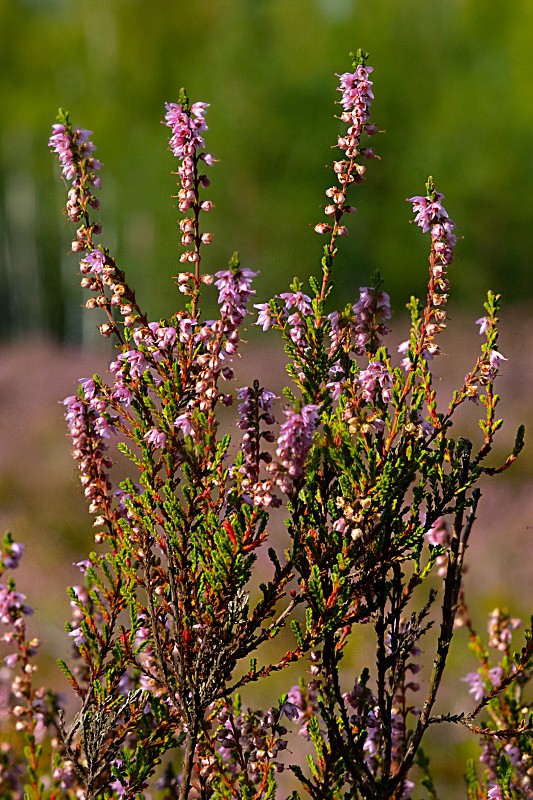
[(452, 84)]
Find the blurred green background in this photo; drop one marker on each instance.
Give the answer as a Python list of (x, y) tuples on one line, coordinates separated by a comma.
[(452, 86), (453, 92)]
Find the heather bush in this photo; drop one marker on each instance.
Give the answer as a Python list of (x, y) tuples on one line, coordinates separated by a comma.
[(174, 614)]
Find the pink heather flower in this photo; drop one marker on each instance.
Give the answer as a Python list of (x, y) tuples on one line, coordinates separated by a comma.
[(15, 553), (255, 410), (495, 675), (155, 437), (71, 146), (11, 660), (369, 314), (89, 388), (374, 380), (88, 427), (295, 439), (357, 96), (428, 211), (291, 711), (501, 628), (166, 337), (336, 373), (186, 327), (297, 300), (303, 704), (477, 689), (122, 394), (184, 424), (402, 349), (494, 793), (136, 361), (431, 215), (12, 605), (93, 262), (484, 324), (234, 291), (495, 358), (438, 532), (261, 399), (186, 127), (339, 525), (264, 318)]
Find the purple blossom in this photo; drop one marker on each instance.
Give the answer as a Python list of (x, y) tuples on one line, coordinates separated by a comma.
[(429, 210), (12, 605), (495, 357), (431, 215), (122, 394), (166, 337), (71, 145), (484, 324), (255, 410), (336, 374), (298, 300), (136, 361), (295, 439), (13, 556), (500, 628), (369, 314), (402, 349), (302, 705), (374, 380), (186, 328), (11, 660), (73, 148), (88, 426), (234, 291), (155, 438), (438, 533), (495, 675), (187, 128), (357, 96), (93, 262), (477, 689), (184, 424)]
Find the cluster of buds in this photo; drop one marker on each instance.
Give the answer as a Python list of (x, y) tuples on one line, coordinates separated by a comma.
[(30, 708), (98, 271), (234, 291), (101, 276), (352, 515), (356, 90), (293, 316), (293, 445), (187, 123), (358, 330), (501, 627), (255, 410), (78, 166), (249, 742), (89, 425), (432, 216), (375, 382)]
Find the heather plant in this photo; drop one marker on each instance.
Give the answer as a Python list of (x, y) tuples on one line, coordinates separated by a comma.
[(175, 616)]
